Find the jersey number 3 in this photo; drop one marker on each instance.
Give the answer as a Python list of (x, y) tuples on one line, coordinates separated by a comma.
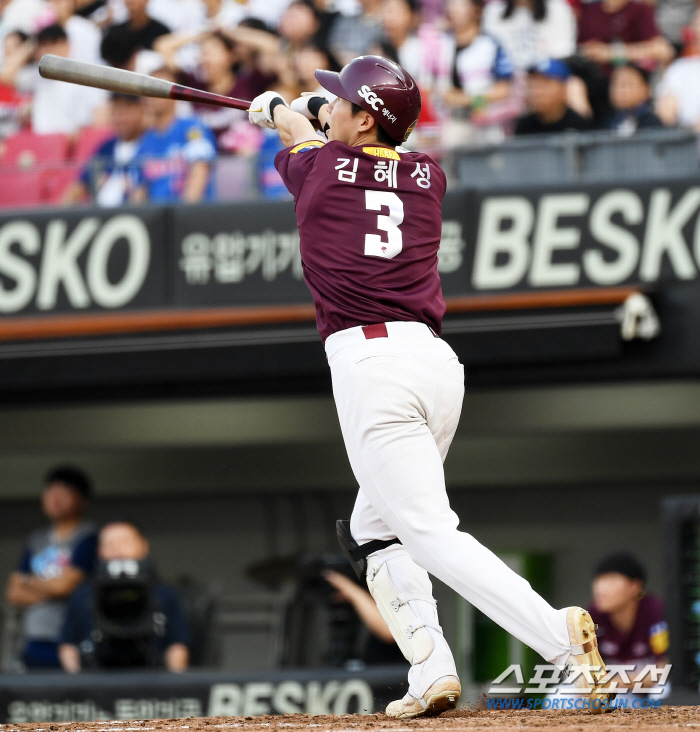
[(374, 245)]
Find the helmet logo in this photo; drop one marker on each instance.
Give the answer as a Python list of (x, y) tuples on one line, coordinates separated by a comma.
[(370, 97)]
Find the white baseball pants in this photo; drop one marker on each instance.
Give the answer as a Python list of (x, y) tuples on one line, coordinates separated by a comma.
[(399, 399)]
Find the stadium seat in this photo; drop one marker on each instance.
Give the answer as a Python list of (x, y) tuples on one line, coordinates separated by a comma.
[(20, 188), (26, 149), (89, 139), (55, 181)]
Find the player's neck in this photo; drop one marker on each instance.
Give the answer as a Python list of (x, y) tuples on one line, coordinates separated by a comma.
[(623, 619), (368, 139), (163, 120), (65, 526), (465, 36)]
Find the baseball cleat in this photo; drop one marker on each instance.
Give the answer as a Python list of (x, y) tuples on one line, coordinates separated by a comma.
[(441, 696), (584, 653)]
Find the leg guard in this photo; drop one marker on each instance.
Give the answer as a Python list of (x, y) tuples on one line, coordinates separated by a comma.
[(357, 554), (404, 599)]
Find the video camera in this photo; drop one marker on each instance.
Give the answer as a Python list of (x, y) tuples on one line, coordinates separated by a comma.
[(127, 621)]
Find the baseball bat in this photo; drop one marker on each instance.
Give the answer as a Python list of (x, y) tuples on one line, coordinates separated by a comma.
[(128, 82)]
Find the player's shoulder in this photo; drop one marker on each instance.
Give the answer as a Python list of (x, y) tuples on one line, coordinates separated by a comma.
[(189, 128), (307, 146), (422, 159), (652, 606), (107, 148)]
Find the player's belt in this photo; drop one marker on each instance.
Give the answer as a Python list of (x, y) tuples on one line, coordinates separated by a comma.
[(379, 330), (375, 331)]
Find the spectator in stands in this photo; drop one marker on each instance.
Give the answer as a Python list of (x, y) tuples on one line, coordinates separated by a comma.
[(165, 646), (305, 61), (13, 104), (84, 36), (481, 71), (300, 24), (630, 98), (55, 561), (400, 20), (632, 627), (356, 35), (217, 74), (19, 15), (673, 18), (531, 31), (119, 47), (267, 11), (175, 155), (56, 107), (110, 177), (144, 28), (678, 92), (611, 32), (547, 100)]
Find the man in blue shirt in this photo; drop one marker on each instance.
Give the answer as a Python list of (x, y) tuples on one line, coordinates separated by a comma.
[(165, 643), (110, 177), (175, 155), (55, 561)]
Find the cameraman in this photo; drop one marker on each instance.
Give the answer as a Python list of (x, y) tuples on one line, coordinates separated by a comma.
[(87, 638)]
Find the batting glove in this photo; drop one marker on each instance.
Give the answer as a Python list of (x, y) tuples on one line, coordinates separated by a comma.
[(309, 104), (262, 107)]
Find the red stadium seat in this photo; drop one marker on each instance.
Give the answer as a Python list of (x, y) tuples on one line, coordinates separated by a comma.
[(55, 181), (89, 139), (26, 149), (20, 188)]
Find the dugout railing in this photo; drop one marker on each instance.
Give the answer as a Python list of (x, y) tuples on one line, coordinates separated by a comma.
[(570, 158)]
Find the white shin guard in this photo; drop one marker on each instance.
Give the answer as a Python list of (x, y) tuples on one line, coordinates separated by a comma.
[(404, 597)]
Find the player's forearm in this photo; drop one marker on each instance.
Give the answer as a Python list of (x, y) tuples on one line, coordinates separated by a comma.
[(667, 109), (69, 656), (57, 588), (498, 91), (76, 193), (168, 45), (292, 126), (19, 592), (366, 608), (15, 61), (196, 182), (260, 40), (657, 49)]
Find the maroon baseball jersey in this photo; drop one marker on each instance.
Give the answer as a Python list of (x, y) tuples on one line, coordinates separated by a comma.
[(646, 643), (369, 220)]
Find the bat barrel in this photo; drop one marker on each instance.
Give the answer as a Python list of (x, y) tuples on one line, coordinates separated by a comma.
[(128, 82), (103, 77)]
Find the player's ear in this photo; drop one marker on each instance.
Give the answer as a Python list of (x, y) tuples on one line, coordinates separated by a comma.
[(367, 122)]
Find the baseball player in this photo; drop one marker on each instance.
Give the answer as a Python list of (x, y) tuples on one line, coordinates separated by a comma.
[(369, 216)]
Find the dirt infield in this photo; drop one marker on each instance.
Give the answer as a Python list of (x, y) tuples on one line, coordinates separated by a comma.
[(655, 720)]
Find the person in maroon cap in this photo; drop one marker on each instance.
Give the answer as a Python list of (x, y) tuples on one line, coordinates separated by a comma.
[(370, 216)]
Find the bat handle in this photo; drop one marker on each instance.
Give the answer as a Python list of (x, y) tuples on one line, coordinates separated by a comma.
[(188, 94)]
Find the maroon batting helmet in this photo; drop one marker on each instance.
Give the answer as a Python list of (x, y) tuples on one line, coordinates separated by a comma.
[(382, 88)]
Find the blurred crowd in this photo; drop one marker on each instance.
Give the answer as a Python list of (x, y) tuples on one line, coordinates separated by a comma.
[(487, 69)]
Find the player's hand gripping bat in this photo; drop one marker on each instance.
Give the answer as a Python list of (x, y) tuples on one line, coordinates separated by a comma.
[(128, 82)]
